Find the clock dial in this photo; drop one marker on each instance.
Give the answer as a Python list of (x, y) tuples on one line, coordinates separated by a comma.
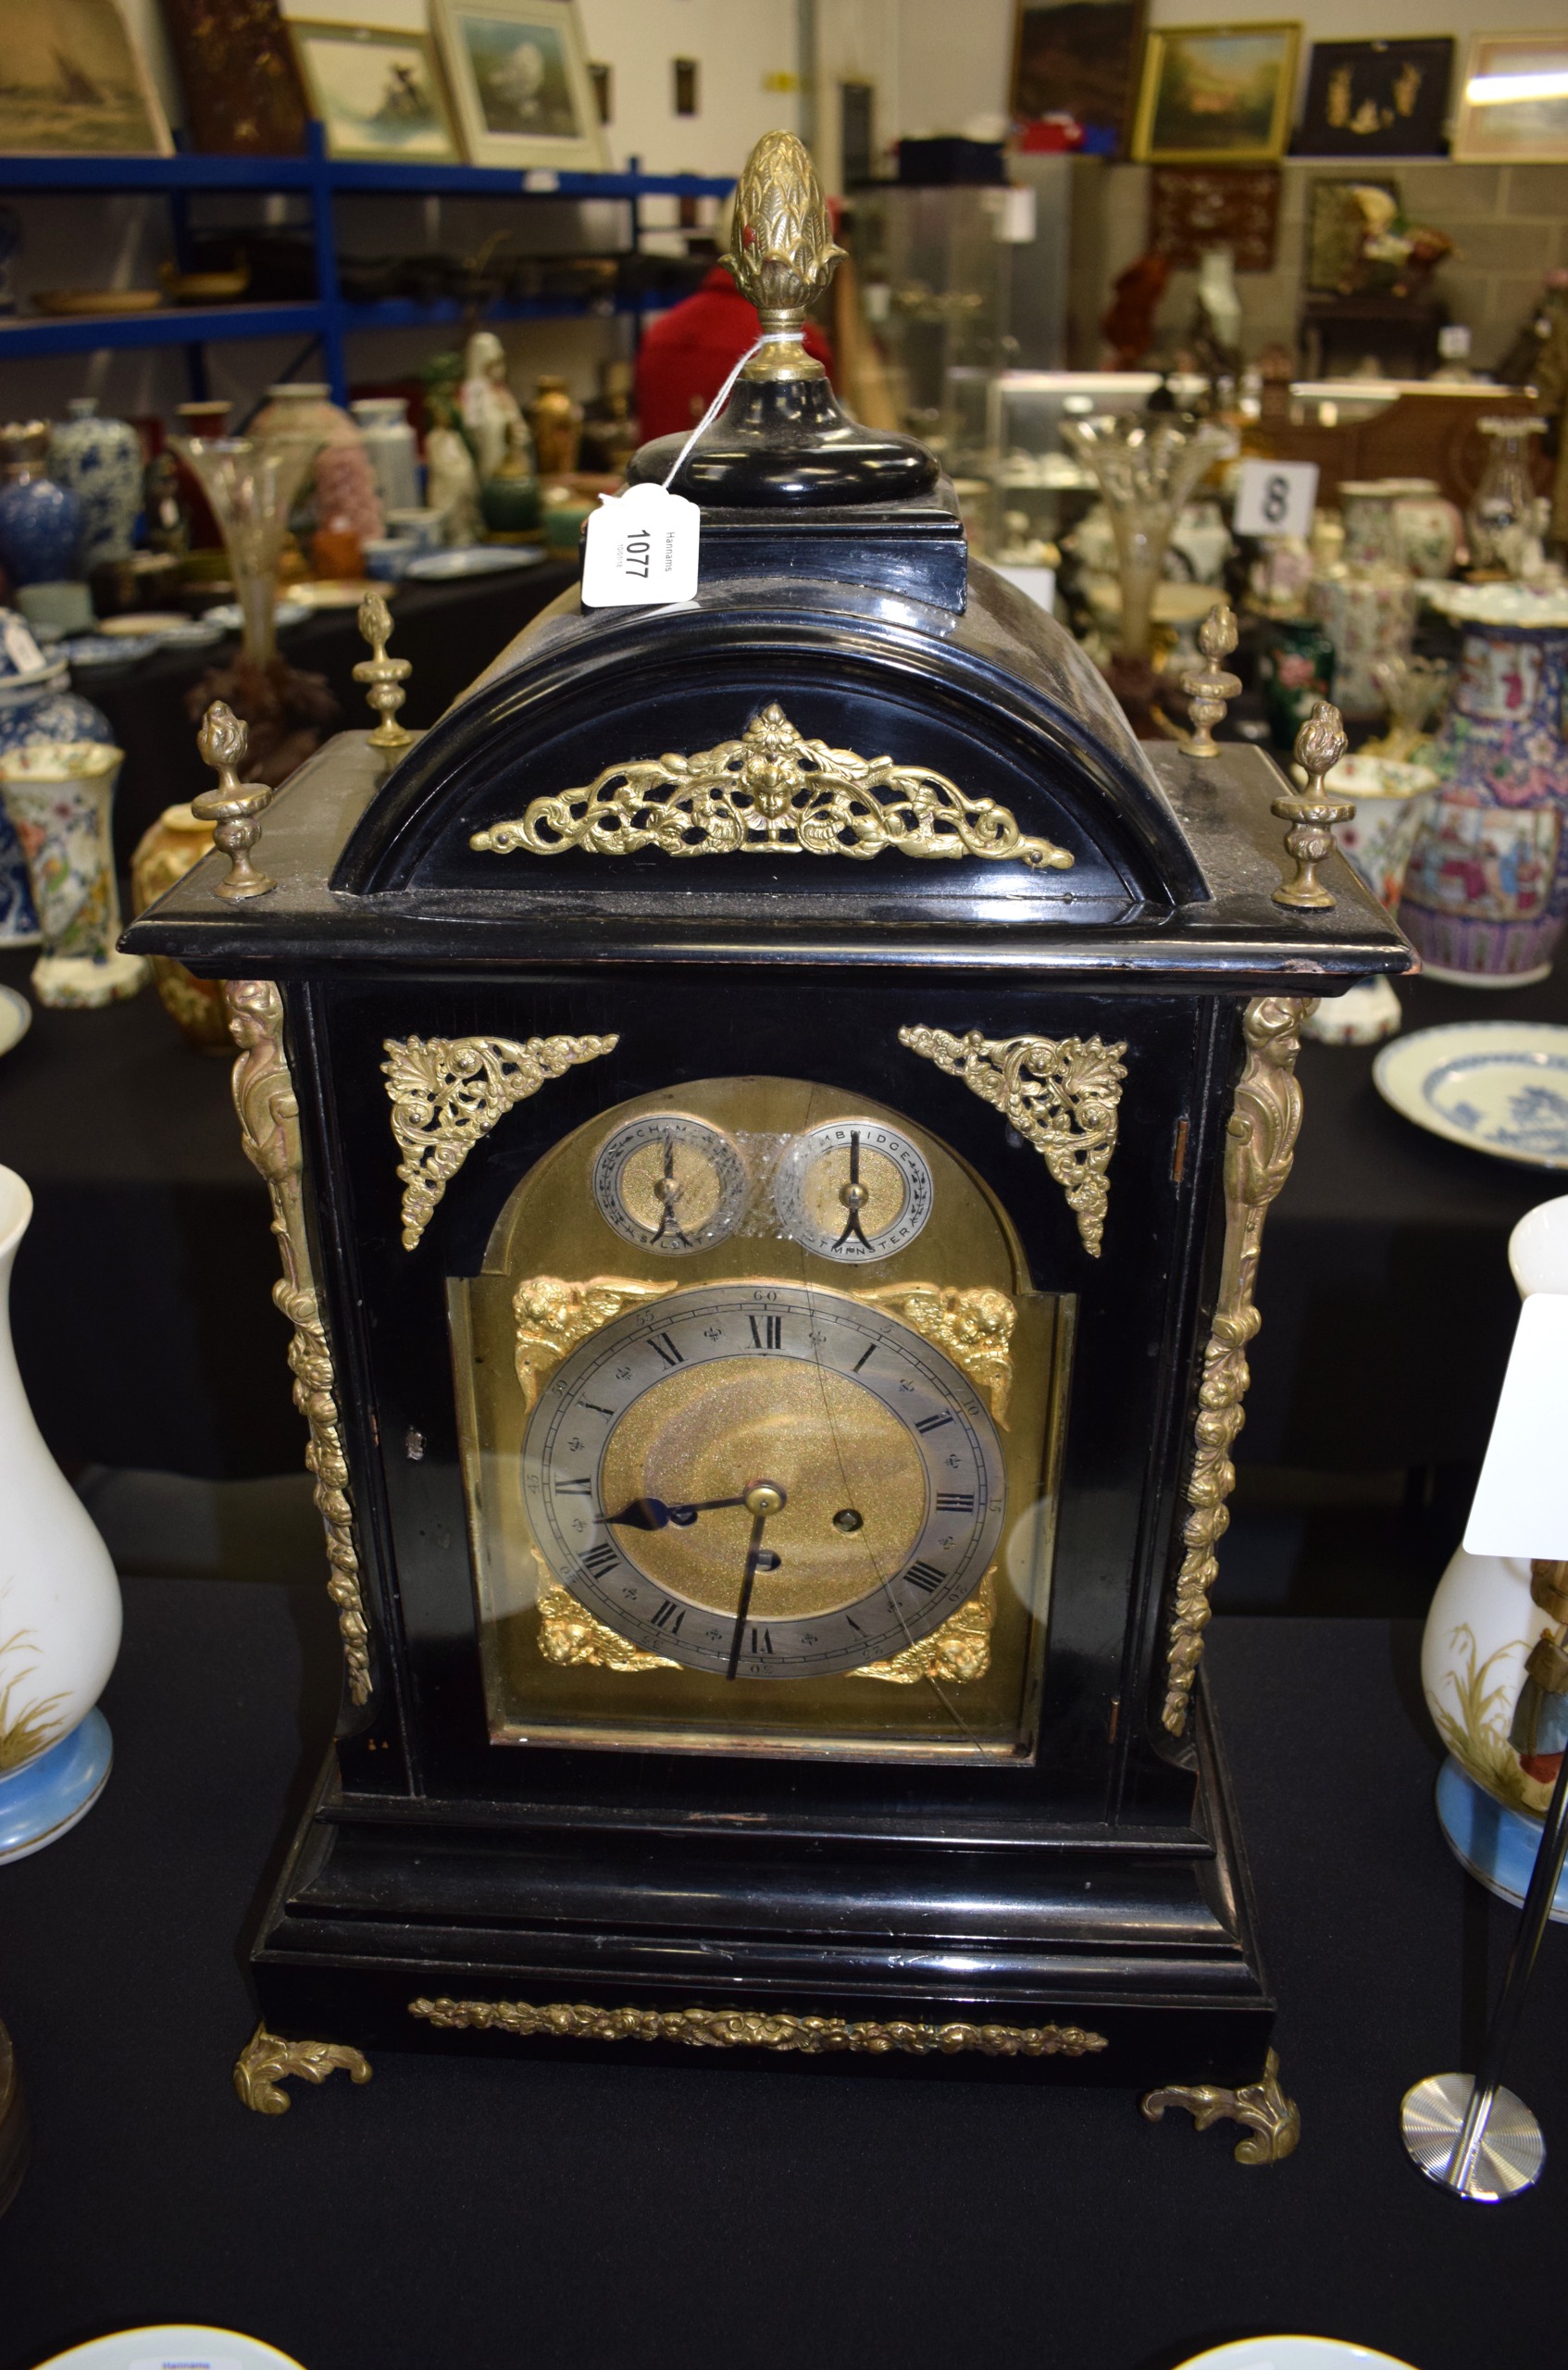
[(763, 1480), (670, 1183), (852, 1189)]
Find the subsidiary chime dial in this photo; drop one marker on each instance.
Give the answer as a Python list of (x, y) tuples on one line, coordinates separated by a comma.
[(852, 1189), (764, 1481), (670, 1183)]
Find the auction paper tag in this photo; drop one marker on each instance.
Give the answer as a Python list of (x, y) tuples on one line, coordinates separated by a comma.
[(1275, 497), (640, 550), (20, 646)]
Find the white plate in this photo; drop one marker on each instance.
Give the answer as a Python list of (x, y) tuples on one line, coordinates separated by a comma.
[(16, 1019), (228, 620), (473, 559), (172, 2346), (1498, 1086), (1291, 2354)]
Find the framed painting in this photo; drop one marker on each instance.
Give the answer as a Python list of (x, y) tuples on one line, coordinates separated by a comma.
[(1216, 95), (1078, 59), (1377, 98), (76, 83), (243, 94), (1514, 108), (1231, 206), (375, 94), (520, 84), (1337, 224)]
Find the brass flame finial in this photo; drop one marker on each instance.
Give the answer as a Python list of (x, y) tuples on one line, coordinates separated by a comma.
[(781, 252), (234, 808), (1312, 812), (1210, 689), (382, 675)]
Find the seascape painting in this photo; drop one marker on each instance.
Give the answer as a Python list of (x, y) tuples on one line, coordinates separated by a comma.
[(377, 94), (72, 83)]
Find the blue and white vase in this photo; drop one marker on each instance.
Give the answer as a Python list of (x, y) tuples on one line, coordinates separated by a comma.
[(100, 462), (35, 705), (40, 522)]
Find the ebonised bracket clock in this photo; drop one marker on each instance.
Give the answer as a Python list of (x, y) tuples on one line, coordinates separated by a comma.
[(769, 1109)]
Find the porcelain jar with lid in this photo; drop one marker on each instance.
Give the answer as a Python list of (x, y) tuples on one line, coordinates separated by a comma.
[(382, 421), (1427, 528), (1487, 888), (35, 704), (100, 461), (40, 521), (1366, 604)]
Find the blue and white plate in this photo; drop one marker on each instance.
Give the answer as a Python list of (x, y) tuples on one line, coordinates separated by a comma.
[(1498, 1086), (472, 559), (227, 617), (104, 650)]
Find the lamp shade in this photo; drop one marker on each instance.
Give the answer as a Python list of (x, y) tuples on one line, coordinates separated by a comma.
[(1521, 1505)]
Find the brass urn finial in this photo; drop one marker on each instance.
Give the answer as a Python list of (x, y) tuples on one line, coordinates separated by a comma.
[(781, 252), (384, 677), (1312, 812), (1210, 689), (234, 808)]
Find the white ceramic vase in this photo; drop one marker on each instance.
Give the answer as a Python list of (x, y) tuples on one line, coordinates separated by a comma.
[(59, 1609), (59, 797)]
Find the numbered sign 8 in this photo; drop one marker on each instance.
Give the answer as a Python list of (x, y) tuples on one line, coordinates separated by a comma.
[(1275, 497)]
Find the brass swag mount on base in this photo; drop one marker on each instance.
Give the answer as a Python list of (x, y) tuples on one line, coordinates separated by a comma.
[(1273, 2121), (265, 2062), (755, 2028), (1261, 1144), (270, 1130), (772, 792)]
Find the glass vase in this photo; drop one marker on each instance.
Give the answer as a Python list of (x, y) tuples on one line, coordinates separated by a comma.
[(250, 483), (1502, 517), (1146, 468)]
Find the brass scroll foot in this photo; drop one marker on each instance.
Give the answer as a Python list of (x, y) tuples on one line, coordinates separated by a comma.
[(1274, 2121), (266, 2061)]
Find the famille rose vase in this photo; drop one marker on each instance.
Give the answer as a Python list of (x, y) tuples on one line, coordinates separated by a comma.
[(59, 795), (59, 1609), (1366, 602), (1487, 887), (1390, 800)]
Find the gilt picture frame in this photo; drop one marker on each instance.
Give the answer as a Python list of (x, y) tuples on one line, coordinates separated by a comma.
[(1216, 95), (77, 84), (377, 94), (1079, 59), (1510, 123), (518, 75)]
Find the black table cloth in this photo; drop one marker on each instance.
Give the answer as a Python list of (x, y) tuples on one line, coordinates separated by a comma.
[(147, 1336), (586, 2208)]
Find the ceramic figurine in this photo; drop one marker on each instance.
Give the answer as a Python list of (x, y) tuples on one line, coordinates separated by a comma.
[(35, 705), (1391, 801), (59, 1610), (510, 499), (59, 795), (1503, 510), (100, 461), (1487, 887), (40, 521), (164, 853), (489, 412), (452, 486), (382, 421), (168, 521), (556, 425), (1367, 604)]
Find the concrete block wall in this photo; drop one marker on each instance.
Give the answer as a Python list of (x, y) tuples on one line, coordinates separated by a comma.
[(1509, 223)]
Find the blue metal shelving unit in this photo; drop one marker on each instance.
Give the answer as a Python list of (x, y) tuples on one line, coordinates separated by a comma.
[(330, 319)]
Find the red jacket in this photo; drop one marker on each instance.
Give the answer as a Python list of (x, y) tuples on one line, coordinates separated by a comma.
[(690, 350)]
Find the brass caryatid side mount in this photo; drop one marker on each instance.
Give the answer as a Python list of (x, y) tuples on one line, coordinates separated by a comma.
[(781, 252)]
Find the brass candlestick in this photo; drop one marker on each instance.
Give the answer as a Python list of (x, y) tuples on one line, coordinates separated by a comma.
[(382, 677), (1210, 689), (235, 807), (1311, 813)]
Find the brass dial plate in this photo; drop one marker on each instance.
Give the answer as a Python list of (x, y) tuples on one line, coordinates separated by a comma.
[(670, 1183), (852, 1189), (648, 1441)]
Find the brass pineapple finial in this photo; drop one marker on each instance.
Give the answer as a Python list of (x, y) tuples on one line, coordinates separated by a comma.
[(1210, 689), (235, 807), (1312, 812), (781, 254), (384, 677)]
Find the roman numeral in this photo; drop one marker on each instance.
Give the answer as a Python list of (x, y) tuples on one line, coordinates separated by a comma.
[(762, 1642), (669, 1616), (769, 1334), (863, 1355), (667, 1349), (581, 1486), (924, 1576), (597, 1560), (955, 1502), (932, 1423)]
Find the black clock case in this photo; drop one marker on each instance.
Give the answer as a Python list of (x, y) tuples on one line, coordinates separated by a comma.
[(1103, 1886)]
